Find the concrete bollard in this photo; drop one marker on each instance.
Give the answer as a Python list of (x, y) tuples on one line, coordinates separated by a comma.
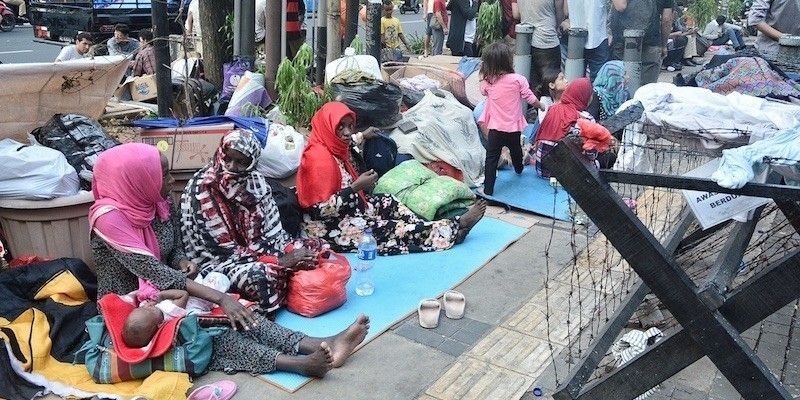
[(632, 58), (522, 55), (788, 57), (575, 67)]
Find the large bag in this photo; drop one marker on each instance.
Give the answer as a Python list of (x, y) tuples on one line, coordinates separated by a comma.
[(81, 139), (281, 155), (250, 96), (375, 103), (320, 290), (35, 172), (232, 73), (191, 353)]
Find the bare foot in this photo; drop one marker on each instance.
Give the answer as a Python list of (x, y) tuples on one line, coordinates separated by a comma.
[(318, 363), (470, 218), (347, 340)]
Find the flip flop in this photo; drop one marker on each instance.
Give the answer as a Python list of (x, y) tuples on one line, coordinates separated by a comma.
[(428, 311), (454, 304), (222, 390)]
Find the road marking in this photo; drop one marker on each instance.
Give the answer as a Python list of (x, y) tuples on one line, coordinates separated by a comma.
[(16, 51)]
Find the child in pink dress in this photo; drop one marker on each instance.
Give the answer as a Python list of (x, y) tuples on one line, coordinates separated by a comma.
[(503, 114)]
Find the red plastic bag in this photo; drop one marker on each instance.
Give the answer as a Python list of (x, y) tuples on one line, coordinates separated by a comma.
[(320, 290)]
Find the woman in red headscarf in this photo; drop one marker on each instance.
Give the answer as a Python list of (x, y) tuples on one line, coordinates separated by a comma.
[(560, 118), (338, 208)]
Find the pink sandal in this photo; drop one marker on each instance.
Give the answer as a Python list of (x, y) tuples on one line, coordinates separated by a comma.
[(222, 390)]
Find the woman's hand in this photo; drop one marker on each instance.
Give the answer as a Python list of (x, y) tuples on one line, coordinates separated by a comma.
[(365, 181), (370, 133), (237, 313), (188, 268), (299, 259)]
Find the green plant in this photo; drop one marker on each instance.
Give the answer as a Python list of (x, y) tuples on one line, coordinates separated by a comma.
[(735, 8), (297, 100), (227, 31), (357, 44), (489, 23), (703, 11), (417, 43)]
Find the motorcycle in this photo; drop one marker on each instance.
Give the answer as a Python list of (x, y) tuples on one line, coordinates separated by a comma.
[(410, 5), (7, 19)]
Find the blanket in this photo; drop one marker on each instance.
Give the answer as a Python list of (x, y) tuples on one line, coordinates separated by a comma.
[(423, 191), (747, 75), (42, 324)]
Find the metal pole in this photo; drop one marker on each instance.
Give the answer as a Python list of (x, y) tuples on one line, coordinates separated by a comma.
[(522, 54), (272, 44), (247, 29), (632, 58), (351, 21), (158, 15), (284, 10), (373, 47), (575, 67), (334, 36), (322, 27)]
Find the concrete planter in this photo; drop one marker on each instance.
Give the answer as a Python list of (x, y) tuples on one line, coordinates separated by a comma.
[(48, 228)]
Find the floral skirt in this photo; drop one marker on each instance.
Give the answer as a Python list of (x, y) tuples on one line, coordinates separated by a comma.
[(396, 229)]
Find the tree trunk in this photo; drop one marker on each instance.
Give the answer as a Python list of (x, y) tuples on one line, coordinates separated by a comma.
[(217, 46)]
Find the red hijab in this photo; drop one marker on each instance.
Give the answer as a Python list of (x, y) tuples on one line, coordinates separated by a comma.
[(319, 176), (562, 115)]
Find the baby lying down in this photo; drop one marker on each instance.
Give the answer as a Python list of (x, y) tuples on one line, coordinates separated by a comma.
[(156, 307)]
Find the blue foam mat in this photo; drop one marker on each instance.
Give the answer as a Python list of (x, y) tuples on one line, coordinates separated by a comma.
[(400, 283), (531, 193)]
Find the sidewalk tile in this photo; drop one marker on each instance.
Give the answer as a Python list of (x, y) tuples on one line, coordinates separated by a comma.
[(471, 379)]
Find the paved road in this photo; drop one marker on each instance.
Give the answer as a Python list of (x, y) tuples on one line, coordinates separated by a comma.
[(18, 46)]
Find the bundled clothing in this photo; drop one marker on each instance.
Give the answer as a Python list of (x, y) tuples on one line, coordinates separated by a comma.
[(336, 213), (747, 75), (231, 225), (135, 232)]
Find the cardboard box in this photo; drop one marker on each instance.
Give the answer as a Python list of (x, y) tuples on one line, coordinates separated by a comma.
[(449, 62), (187, 148), (143, 88)]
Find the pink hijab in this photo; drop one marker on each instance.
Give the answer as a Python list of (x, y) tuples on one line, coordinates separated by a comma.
[(127, 191)]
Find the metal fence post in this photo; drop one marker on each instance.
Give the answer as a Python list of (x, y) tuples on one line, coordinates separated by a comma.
[(632, 58), (575, 67), (522, 54)]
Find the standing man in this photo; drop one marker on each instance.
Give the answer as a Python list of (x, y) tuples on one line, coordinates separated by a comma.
[(593, 17), (77, 51), (193, 25), (546, 47), (120, 44), (655, 17), (145, 62), (773, 19), (461, 12)]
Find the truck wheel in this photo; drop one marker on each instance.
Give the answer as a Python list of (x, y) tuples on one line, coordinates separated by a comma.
[(7, 23)]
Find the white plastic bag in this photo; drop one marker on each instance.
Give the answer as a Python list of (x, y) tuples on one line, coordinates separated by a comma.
[(34, 172), (281, 156)]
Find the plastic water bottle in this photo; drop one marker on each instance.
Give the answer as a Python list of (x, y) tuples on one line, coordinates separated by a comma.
[(367, 251)]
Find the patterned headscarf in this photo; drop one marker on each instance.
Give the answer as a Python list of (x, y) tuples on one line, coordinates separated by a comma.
[(610, 87), (562, 115), (226, 213)]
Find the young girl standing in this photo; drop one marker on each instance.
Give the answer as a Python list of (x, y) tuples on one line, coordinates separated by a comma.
[(502, 116)]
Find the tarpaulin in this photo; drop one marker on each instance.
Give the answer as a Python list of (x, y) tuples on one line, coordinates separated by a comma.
[(259, 126)]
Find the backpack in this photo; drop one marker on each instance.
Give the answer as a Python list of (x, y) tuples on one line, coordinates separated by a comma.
[(80, 138), (380, 154), (288, 208)]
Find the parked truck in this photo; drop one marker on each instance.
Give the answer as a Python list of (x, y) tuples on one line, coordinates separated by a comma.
[(60, 20)]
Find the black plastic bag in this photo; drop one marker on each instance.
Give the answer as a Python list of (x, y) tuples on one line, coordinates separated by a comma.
[(288, 208), (80, 138), (380, 154), (375, 104)]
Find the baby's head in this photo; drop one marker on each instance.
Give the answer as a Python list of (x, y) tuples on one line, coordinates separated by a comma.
[(141, 326)]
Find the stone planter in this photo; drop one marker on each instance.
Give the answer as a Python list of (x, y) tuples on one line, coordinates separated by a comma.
[(48, 228)]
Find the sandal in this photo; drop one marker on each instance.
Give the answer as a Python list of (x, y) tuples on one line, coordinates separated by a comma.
[(428, 312), (454, 304), (222, 390)]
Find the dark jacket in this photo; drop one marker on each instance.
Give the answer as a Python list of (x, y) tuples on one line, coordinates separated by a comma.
[(461, 12)]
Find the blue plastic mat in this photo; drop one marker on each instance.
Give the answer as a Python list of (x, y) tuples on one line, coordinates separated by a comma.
[(400, 283), (531, 193)]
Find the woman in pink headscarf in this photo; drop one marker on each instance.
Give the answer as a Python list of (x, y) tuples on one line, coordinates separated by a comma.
[(136, 235)]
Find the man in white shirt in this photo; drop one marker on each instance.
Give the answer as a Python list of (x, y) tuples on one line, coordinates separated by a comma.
[(719, 32), (591, 15), (470, 29), (77, 51), (193, 25)]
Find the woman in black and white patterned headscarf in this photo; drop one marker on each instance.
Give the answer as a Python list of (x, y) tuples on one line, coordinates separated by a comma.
[(231, 225)]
